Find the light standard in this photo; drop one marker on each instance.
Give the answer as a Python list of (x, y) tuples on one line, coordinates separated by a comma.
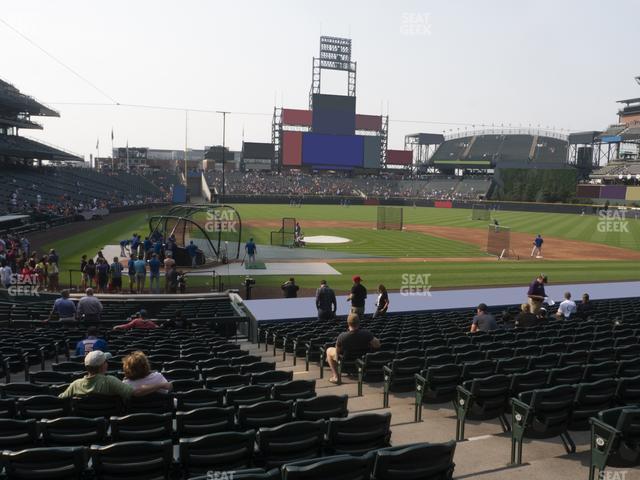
[(224, 125)]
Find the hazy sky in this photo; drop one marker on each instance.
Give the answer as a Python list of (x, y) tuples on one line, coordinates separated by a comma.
[(559, 64)]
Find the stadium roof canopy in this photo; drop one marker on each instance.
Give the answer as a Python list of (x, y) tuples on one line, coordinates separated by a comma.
[(11, 99)]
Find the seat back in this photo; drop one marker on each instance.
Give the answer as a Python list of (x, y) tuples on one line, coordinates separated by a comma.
[(271, 377), (569, 375), (294, 390), (227, 381), (217, 452), (420, 461), (322, 407), (97, 405), (17, 434), (50, 463), (247, 395), (531, 380), (141, 427), (483, 368), (590, 399), (340, 467), (270, 413), (289, 442), (73, 431), (132, 460), (257, 367), (43, 406), (155, 402), (198, 398), (628, 391), (358, 434), (204, 421)]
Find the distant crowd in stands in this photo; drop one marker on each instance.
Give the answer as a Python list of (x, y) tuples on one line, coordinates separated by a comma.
[(298, 184), (81, 196), (21, 266)]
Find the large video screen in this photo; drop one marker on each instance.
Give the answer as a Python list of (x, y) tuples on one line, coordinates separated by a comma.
[(339, 151), (334, 114), (257, 150)]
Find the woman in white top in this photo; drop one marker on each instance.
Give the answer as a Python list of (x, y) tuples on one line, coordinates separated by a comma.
[(138, 372)]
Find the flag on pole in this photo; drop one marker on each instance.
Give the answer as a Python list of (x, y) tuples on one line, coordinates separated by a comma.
[(112, 134), (98, 143)]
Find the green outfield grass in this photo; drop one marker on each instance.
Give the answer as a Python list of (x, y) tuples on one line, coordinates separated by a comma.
[(561, 225), (371, 242)]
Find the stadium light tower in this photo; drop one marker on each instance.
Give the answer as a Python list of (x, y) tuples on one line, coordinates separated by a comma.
[(224, 125)]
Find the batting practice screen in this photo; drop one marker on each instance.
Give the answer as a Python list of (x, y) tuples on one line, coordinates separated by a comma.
[(498, 240), (389, 218), (480, 212)]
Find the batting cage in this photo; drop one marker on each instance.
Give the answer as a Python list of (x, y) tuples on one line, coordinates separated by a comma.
[(480, 212), (286, 236), (215, 229), (499, 241), (389, 218)]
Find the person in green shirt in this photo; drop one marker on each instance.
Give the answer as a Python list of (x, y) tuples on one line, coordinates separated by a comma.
[(96, 381)]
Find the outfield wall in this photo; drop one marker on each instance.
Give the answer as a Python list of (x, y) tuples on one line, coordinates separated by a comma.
[(420, 202)]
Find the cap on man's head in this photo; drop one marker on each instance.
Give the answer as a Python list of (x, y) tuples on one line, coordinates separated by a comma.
[(356, 279), (96, 358), (143, 313)]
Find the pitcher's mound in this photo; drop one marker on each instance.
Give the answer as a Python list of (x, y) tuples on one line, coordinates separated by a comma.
[(326, 239)]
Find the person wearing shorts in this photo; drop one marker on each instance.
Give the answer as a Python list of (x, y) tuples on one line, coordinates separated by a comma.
[(357, 297)]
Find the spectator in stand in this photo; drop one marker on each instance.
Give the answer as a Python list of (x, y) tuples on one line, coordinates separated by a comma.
[(53, 271), (483, 321), (102, 276), (536, 293), (169, 264), (290, 288), (326, 302), (89, 307), (382, 305), (53, 257), (172, 279), (132, 273), (567, 308), (90, 272), (542, 315), (154, 274), (42, 273), (83, 267), (6, 274), (140, 267), (357, 297), (137, 372), (116, 275), (140, 321), (96, 381), (585, 309), (90, 343), (526, 319), (178, 321), (351, 344), (64, 308)]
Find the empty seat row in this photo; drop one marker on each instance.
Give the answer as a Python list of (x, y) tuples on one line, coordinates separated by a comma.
[(132, 460)]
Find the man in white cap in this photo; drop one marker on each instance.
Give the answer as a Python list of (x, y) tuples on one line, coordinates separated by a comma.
[(96, 381)]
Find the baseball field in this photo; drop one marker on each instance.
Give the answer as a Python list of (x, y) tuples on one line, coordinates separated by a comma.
[(444, 244)]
